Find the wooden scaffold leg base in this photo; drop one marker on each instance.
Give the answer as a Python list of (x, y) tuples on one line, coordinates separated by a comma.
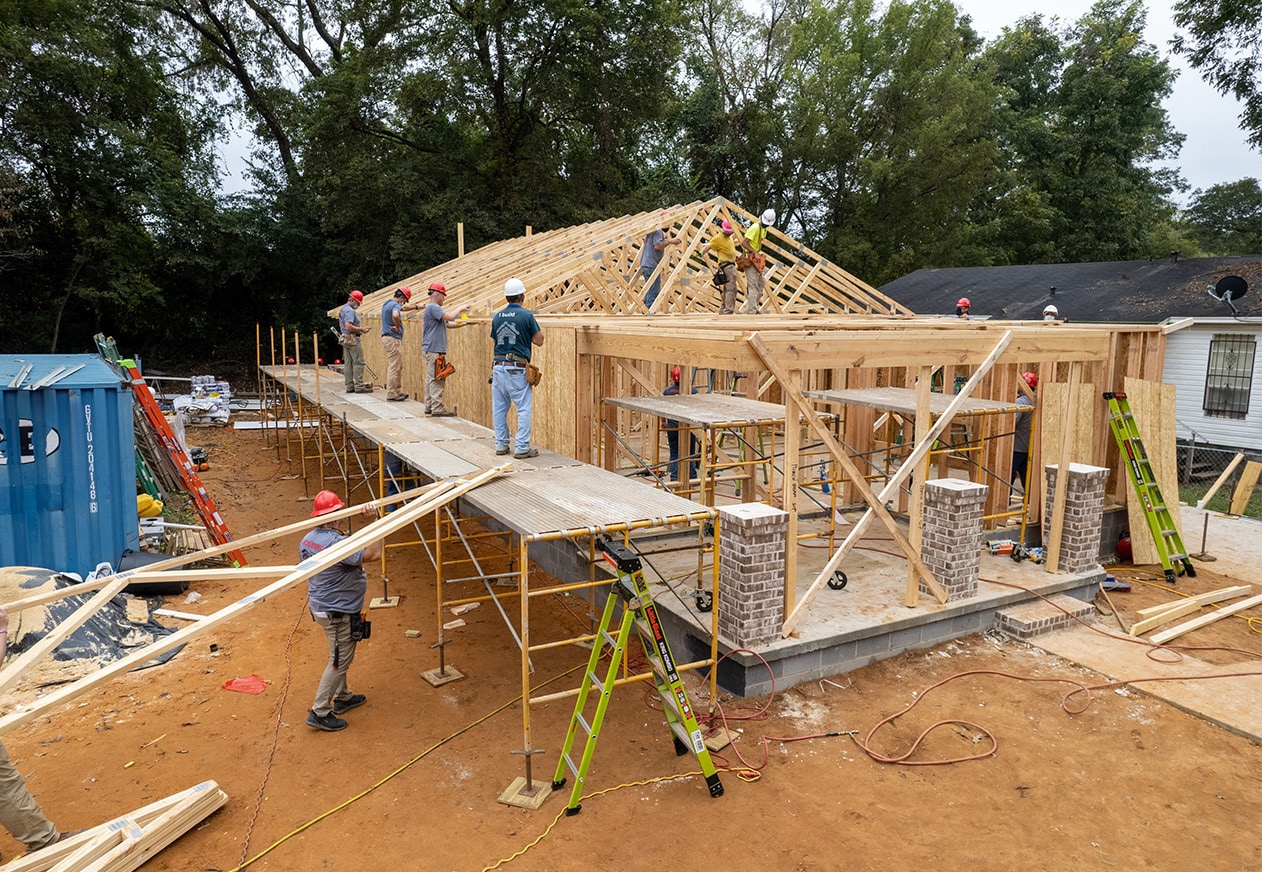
[(444, 674), (383, 602), (526, 792), (719, 738), (518, 795)]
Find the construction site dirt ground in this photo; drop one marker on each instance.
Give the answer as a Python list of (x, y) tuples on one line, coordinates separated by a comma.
[(1111, 779)]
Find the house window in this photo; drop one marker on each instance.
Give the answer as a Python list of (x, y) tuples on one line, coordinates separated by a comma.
[(1229, 376)]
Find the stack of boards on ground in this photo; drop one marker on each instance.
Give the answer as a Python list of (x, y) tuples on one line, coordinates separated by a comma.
[(127, 842)]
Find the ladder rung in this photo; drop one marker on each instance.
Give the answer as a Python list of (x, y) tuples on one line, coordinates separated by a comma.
[(609, 640), (1174, 557), (578, 716), (569, 764), (595, 679), (682, 732), (1169, 532)]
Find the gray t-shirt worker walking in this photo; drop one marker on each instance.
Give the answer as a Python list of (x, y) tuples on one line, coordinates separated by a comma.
[(336, 598), (514, 331)]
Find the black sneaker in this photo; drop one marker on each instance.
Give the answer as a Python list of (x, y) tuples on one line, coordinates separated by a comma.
[(355, 700), (330, 723)]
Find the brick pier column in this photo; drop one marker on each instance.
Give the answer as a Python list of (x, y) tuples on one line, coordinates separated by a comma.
[(951, 536), (1084, 516), (751, 573)]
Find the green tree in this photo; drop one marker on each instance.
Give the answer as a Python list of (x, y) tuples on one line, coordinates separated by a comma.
[(888, 116), (1223, 44), (101, 161), (1227, 219), (1080, 127)]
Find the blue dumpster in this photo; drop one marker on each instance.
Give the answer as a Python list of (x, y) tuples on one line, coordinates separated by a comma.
[(67, 463)]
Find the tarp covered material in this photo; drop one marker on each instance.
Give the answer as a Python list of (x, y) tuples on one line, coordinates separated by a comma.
[(105, 637)]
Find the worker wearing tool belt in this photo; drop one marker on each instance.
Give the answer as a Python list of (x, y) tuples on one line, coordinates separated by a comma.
[(350, 329), (515, 332), (336, 599), (755, 261), (434, 344), (724, 248), (392, 341)]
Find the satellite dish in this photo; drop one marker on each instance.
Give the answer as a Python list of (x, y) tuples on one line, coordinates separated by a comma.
[(1228, 289)]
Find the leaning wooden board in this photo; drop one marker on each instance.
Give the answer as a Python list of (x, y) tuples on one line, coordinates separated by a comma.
[(1152, 404)]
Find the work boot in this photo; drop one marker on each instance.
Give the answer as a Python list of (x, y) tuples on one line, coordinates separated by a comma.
[(529, 452), (501, 451), (442, 414), (355, 700), (330, 723), (397, 399)]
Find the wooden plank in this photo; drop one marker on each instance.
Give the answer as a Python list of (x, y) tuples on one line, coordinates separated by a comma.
[(1152, 404), (1170, 611), (1204, 620), (1213, 489), (1244, 487), (1212, 596), (789, 493), (1056, 523), (924, 422), (447, 491)]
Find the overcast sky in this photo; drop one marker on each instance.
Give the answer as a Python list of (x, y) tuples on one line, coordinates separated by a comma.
[(1215, 150)]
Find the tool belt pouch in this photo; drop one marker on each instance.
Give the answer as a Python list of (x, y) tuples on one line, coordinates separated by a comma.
[(442, 368), (361, 629), (742, 262), (720, 278), (758, 261), (533, 374), (347, 339)]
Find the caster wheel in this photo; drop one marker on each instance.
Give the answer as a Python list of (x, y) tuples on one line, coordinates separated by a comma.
[(705, 601), (838, 581)]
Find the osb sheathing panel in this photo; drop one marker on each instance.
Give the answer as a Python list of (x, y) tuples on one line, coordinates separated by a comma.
[(1152, 404)]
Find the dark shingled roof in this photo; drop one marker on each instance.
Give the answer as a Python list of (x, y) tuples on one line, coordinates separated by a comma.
[(1132, 291)]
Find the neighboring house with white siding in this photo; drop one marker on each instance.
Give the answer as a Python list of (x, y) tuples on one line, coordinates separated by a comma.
[(1216, 368), (1211, 357)]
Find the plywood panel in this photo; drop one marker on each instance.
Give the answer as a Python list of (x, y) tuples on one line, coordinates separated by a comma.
[(1152, 404), (1052, 415)]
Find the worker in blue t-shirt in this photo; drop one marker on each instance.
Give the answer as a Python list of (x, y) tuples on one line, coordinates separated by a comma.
[(515, 332)]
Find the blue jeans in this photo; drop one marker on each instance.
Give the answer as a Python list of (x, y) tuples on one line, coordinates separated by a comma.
[(654, 289), (509, 388)]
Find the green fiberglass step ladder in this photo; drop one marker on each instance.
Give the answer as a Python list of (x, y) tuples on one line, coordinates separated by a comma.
[(1138, 468), (638, 614)]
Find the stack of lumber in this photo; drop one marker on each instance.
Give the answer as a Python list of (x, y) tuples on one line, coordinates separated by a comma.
[(1150, 618), (127, 842)]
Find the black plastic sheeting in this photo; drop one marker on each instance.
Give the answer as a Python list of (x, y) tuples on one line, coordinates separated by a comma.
[(101, 636)]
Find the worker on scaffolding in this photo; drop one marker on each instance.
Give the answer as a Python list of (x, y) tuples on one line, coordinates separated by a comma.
[(335, 597), (349, 333), (1021, 438), (672, 428)]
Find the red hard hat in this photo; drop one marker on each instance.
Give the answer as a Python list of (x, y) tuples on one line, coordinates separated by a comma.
[(674, 374), (357, 296), (407, 295), (437, 286), (964, 302), (326, 501), (1030, 379)]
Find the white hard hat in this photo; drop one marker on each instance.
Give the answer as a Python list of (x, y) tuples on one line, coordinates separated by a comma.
[(514, 288), (769, 217), (1050, 309)]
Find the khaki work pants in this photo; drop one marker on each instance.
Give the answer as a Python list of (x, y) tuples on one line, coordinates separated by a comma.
[(394, 365)]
